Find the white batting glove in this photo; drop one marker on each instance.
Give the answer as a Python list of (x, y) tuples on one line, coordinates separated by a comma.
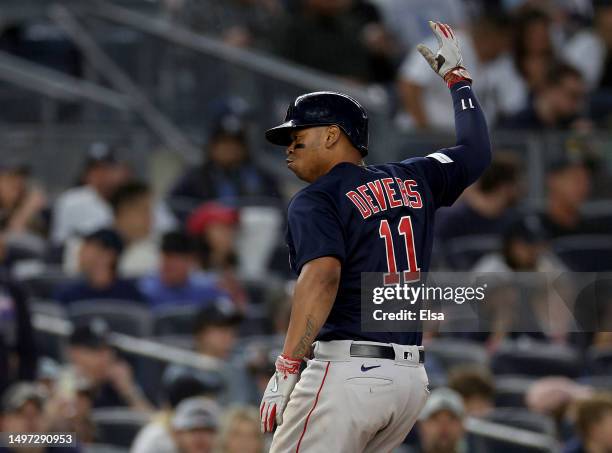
[(277, 392), (447, 62)]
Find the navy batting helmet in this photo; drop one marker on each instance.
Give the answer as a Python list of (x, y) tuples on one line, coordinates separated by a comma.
[(320, 109)]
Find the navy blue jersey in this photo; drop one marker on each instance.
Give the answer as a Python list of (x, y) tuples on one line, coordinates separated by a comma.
[(380, 218)]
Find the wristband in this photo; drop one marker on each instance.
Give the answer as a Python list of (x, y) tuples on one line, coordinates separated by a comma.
[(286, 365), (458, 74)]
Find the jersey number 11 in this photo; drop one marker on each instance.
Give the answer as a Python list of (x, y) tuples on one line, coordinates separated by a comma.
[(404, 228)]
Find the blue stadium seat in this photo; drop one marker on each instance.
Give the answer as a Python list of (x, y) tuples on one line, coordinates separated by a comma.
[(451, 352), (510, 390), (122, 316), (463, 252), (585, 253), (599, 361), (174, 321), (523, 419), (533, 358)]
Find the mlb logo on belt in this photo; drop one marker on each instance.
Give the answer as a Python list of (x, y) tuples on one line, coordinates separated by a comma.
[(407, 355)]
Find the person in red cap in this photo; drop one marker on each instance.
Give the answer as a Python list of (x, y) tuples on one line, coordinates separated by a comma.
[(215, 226)]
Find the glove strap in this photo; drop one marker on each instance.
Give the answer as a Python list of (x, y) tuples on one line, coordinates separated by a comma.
[(287, 365), (455, 75)]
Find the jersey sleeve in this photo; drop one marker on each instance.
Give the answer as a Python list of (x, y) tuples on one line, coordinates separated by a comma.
[(314, 229), (450, 171)]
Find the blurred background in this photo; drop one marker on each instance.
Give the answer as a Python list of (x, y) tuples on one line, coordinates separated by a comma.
[(144, 285)]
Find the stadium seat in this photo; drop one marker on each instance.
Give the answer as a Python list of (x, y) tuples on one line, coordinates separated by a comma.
[(463, 252), (523, 419), (122, 316), (175, 321), (533, 358), (182, 207), (451, 352), (44, 284), (599, 383), (118, 426), (510, 390), (48, 307), (599, 361), (585, 253)]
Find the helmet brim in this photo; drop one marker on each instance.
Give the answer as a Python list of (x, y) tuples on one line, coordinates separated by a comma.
[(281, 134)]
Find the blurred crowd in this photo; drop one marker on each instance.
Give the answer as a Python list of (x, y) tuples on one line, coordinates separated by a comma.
[(541, 64), (202, 267)]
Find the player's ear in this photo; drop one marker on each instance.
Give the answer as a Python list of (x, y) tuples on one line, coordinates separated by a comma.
[(332, 136)]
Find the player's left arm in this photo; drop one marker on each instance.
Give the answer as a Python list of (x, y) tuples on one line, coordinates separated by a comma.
[(451, 170)]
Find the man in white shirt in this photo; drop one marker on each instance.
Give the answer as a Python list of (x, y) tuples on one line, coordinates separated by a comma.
[(501, 90), (83, 209), (589, 50)]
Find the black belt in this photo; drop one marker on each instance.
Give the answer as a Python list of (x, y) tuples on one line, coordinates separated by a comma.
[(378, 352)]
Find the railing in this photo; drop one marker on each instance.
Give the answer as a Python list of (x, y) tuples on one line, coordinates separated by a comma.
[(126, 343), (515, 436)]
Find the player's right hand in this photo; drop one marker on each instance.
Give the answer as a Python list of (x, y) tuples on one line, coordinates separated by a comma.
[(447, 61), (277, 392)]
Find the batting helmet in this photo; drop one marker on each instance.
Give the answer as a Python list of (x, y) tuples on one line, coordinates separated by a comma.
[(320, 109)]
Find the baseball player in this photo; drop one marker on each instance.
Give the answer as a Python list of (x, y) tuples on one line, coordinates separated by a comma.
[(360, 392)]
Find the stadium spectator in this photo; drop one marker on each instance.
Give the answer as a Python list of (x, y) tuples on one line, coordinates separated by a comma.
[(343, 37), (476, 387), (215, 228), (83, 209), (109, 379), (132, 205), (239, 431), (21, 203), (485, 47), (216, 331), (484, 211), (440, 425), (195, 424), (228, 171), (559, 104), (593, 425), (525, 248), (18, 352), (556, 397), (569, 185), (533, 50), (23, 411), (215, 334), (522, 305), (157, 434), (98, 260), (595, 47), (178, 280)]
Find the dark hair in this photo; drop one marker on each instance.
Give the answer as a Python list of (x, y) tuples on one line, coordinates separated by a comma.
[(127, 193), (560, 70), (521, 23), (178, 242), (504, 169), (494, 18)]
